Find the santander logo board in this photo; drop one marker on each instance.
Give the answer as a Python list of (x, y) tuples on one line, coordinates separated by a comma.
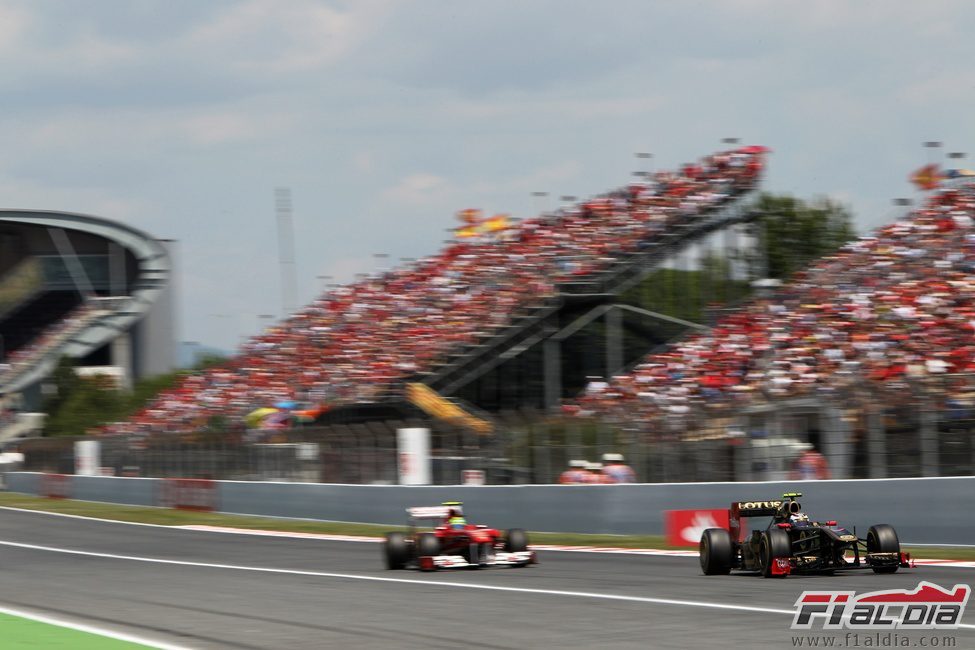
[(684, 527)]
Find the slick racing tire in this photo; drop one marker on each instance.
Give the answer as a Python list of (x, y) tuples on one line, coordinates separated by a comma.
[(716, 550), (427, 544), (882, 538), (775, 544), (516, 541), (397, 551), (485, 554)]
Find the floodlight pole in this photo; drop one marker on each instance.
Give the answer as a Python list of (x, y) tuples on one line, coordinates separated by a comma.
[(286, 250)]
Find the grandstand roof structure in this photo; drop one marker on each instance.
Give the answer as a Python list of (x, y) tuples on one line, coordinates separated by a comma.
[(85, 287)]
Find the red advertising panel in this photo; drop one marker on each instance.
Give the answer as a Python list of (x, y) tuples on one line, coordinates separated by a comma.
[(188, 494), (56, 486), (684, 527)]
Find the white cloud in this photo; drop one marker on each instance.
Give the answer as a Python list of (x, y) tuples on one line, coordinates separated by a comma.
[(14, 24), (226, 126), (269, 37), (363, 161), (580, 107), (417, 189), (387, 117)]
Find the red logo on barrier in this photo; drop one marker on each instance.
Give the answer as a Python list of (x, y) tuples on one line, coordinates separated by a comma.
[(188, 494), (56, 486), (684, 527)]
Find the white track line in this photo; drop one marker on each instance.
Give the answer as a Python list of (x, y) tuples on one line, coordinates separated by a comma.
[(427, 583), (955, 564), (90, 629), (411, 581), (611, 550)]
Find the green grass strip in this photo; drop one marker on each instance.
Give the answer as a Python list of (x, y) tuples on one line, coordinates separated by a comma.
[(171, 517), (23, 633)]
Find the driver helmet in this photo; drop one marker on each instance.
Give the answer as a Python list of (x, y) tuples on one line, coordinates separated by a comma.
[(795, 512), (455, 514)]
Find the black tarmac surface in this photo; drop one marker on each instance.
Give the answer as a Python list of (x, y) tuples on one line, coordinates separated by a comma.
[(271, 593)]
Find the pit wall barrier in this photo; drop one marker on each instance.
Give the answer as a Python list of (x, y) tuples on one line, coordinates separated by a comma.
[(922, 510)]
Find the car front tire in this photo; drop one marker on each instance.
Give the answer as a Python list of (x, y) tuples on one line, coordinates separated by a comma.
[(775, 544), (882, 538), (516, 541)]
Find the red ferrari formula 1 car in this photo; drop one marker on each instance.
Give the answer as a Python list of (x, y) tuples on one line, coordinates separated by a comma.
[(453, 543), (791, 543)]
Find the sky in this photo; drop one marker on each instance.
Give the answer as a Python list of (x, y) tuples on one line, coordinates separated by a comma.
[(385, 117)]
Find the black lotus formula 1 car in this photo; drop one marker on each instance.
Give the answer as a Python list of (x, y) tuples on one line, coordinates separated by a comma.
[(791, 543)]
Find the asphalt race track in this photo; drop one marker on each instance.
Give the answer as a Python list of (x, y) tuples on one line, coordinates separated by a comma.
[(211, 590)]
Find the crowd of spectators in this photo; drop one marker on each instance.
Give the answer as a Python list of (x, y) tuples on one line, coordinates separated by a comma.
[(611, 471), (26, 356), (352, 344), (894, 306)]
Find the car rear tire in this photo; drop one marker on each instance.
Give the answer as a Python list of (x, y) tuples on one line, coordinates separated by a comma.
[(427, 544), (396, 550), (516, 541), (882, 538), (775, 544), (716, 552)]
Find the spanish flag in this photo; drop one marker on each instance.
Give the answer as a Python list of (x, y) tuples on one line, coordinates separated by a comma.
[(927, 177), (495, 223), (470, 215)]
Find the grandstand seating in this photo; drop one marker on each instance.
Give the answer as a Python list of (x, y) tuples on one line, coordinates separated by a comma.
[(895, 305), (357, 342), (33, 317), (51, 338)]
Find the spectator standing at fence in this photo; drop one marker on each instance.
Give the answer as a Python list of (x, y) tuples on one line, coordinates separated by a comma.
[(577, 473), (809, 465), (596, 475), (616, 470)]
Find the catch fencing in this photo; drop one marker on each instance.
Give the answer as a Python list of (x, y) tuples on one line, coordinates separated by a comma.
[(916, 430)]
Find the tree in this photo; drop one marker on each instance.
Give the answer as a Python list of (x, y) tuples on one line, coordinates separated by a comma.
[(795, 233), (83, 403)]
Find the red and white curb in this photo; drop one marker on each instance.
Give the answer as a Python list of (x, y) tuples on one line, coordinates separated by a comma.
[(615, 550)]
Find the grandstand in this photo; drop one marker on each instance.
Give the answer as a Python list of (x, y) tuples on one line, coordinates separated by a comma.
[(84, 287), (489, 318), (869, 355), (874, 345)]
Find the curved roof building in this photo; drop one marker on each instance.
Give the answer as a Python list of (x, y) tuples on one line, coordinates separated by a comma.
[(86, 287)]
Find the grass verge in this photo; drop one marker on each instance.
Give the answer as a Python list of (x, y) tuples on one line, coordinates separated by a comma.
[(171, 517)]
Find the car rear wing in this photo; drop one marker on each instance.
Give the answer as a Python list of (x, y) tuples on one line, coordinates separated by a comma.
[(757, 508), (741, 509), (428, 512)]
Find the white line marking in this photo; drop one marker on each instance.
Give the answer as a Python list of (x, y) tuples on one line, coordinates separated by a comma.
[(559, 548), (427, 583), (69, 516), (412, 581), (90, 629), (331, 537)]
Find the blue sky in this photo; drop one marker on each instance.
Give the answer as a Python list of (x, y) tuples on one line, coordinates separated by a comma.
[(384, 118)]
